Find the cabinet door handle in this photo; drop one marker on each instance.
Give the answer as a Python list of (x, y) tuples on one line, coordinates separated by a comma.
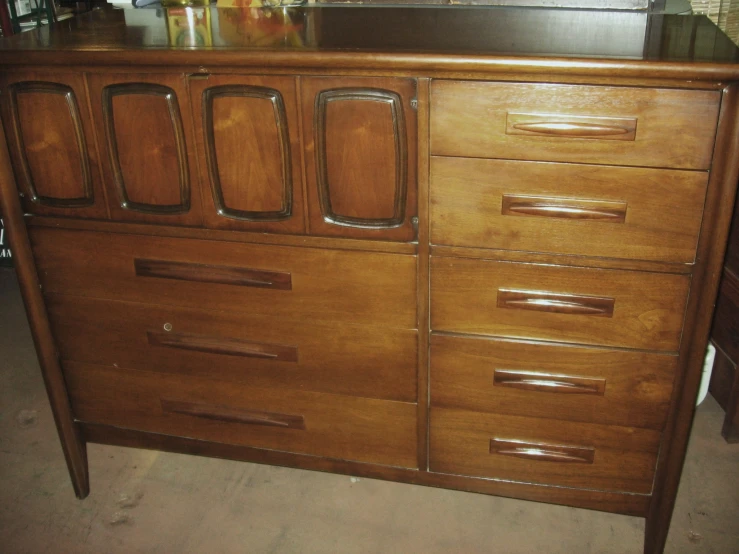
[(556, 303), (223, 275), (223, 345), (544, 382), (567, 126), (543, 452), (232, 415), (564, 208)]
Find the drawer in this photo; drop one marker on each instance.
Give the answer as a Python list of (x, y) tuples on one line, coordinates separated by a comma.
[(256, 350), (572, 304), (574, 123), (282, 281), (587, 210), (541, 451), (590, 385), (332, 426)]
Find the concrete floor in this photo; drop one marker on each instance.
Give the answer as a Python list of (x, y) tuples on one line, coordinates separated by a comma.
[(145, 501)]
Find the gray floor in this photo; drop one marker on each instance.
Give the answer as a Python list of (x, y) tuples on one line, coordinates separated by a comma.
[(156, 502)]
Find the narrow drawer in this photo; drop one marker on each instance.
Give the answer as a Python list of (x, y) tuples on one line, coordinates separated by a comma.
[(571, 304), (574, 123), (587, 210), (590, 385), (530, 450), (282, 281), (339, 358), (332, 426)]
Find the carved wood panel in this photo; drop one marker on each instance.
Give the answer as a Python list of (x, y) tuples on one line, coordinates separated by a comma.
[(249, 152), (48, 130), (145, 134), (360, 137)]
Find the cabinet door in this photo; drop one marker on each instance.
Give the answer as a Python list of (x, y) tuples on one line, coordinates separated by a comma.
[(144, 128), (249, 152), (51, 146), (360, 156)]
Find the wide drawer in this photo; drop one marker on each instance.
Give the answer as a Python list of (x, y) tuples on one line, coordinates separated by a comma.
[(302, 283), (571, 304), (574, 123), (542, 451), (554, 381), (588, 210), (332, 426), (256, 350)]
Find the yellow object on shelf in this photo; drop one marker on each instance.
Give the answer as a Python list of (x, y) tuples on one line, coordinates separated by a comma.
[(189, 26)]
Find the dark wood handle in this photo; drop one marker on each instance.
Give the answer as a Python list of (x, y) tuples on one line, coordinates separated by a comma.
[(544, 382), (224, 275), (564, 208), (231, 415), (223, 345), (543, 452), (556, 303), (572, 126)]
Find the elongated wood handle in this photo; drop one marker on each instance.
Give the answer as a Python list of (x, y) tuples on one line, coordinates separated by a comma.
[(224, 275), (572, 126), (564, 208), (223, 345), (231, 415), (544, 382), (543, 452), (551, 302)]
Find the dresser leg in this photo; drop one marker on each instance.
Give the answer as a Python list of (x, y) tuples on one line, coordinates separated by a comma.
[(73, 445)]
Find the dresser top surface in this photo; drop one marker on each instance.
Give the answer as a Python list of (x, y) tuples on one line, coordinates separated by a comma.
[(422, 37)]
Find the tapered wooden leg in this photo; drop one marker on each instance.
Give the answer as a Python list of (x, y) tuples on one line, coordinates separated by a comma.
[(73, 445)]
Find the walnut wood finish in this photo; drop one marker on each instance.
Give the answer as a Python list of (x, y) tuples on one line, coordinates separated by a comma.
[(674, 128), (553, 381), (647, 308), (370, 288), (223, 345), (246, 129), (331, 357), (541, 452), (229, 415), (52, 145), (574, 304), (340, 427), (360, 152), (544, 124), (578, 209), (624, 458)]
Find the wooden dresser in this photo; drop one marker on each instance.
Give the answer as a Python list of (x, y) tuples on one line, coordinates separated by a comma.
[(468, 248)]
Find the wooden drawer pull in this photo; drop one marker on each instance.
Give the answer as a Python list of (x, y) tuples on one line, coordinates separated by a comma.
[(223, 275), (556, 303), (230, 415), (543, 452), (223, 345), (610, 128), (543, 382), (564, 208)]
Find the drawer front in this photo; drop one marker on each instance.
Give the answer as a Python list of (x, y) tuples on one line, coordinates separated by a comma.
[(333, 426), (542, 451), (573, 123), (590, 385), (588, 210), (281, 281), (579, 305), (259, 351)]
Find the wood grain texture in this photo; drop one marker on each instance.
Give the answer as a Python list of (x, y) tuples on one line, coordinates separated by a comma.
[(548, 302), (648, 308), (145, 129), (661, 209), (624, 458), (340, 427), (51, 144), (229, 415), (584, 127), (327, 285), (542, 452), (332, 357), (564, 208), (632, 389), (537, 381), (226, 346), (674, 128), (248, 145), (360, 156)]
